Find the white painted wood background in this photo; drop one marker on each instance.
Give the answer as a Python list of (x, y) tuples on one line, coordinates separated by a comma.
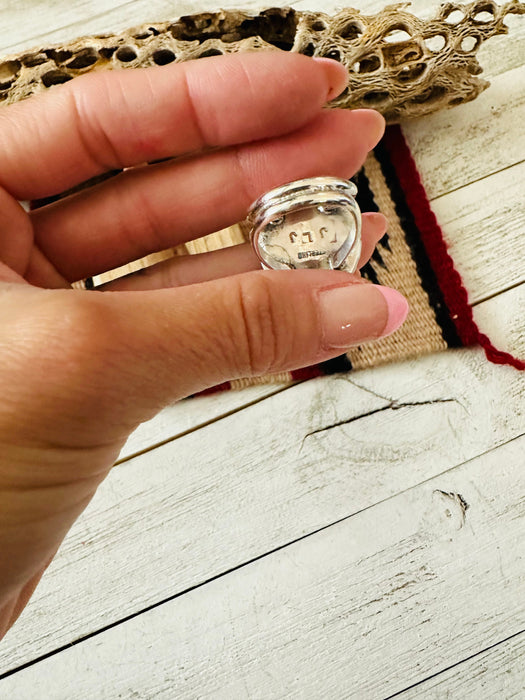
[(243, 548)]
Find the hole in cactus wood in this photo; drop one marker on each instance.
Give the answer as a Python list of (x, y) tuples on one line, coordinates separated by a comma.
[(210, 52), (469, 43), (163, 56), (397, 35), (9, 70), (435, 43), (83, 59), (55, 77), (126, 54), (351, 31), (454, 17)]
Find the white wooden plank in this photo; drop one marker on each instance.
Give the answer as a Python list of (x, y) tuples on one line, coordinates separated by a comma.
[(498, 672), (483, 224), (189, 415), (180, 514), (455, 147), (504, 323), (361, 610)]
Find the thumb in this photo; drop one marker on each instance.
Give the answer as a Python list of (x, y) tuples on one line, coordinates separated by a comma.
[(175, 342)]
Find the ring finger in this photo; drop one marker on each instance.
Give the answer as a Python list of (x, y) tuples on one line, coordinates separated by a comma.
[(203, 267)]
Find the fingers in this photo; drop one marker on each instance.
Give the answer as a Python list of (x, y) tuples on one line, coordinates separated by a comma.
[(192, 269), (109, 120), (188, 269), (374, 226), (157, 207), (16, 234), (173, 342)]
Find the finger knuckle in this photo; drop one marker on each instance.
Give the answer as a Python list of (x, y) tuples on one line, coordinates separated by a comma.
[(262, 328)]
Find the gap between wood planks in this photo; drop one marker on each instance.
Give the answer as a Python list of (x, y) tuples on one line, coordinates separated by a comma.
[(400, 693), (489, 297), (205, 423), (475, 181), (265, 555)]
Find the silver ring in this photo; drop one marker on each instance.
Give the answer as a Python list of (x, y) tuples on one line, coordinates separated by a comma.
[(310, 223)]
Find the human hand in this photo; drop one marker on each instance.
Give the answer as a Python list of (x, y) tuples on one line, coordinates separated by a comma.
[(80, 370)]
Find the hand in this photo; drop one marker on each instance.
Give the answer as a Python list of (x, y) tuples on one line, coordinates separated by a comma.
[(80, 370)]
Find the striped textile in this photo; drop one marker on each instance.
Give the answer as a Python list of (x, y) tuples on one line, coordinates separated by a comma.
[(412, 257)]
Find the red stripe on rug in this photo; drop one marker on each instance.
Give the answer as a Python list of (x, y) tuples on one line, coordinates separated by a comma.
[(299, 375), (448, 278), (225, 386)]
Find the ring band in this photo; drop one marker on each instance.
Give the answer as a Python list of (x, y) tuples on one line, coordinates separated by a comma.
[(310, 223)]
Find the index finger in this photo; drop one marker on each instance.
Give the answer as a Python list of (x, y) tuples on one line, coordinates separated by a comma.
[(109, 120)]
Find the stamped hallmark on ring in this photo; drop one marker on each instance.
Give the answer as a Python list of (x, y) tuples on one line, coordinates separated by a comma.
[(310, 223)]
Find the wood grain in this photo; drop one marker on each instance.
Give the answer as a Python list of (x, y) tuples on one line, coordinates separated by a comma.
[(192, 414), (176, 516), (456, 147), (483, 224), (498, 672), (374, 603)]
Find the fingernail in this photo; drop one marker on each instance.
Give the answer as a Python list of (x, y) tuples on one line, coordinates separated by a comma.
[(336, 75), (372, 126), (377, 223), (355, 314)]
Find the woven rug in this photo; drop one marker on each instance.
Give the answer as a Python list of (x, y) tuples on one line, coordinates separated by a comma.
[(412, 257)]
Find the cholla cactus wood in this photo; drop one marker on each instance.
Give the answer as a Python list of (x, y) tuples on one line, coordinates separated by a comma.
[(399, 64)]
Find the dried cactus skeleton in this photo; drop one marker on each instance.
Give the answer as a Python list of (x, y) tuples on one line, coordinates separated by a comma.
[(399, 64)]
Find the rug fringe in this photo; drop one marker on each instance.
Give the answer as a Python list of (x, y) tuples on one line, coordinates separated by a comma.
[(448, 278)]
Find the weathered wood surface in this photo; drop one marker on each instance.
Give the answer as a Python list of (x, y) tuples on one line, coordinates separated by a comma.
[(256, 480), (190, 415), (498, 672), (406, 585), (459, 146), (483, 223), (393, 594)]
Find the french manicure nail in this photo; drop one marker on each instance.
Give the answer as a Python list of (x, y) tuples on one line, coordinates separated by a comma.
[(397, 307), (354, 314)]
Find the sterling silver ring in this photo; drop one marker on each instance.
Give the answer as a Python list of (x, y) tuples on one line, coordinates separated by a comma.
[(310, 223)]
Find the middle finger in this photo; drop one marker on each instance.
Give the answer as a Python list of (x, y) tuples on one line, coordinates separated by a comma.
[(156, 207)]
